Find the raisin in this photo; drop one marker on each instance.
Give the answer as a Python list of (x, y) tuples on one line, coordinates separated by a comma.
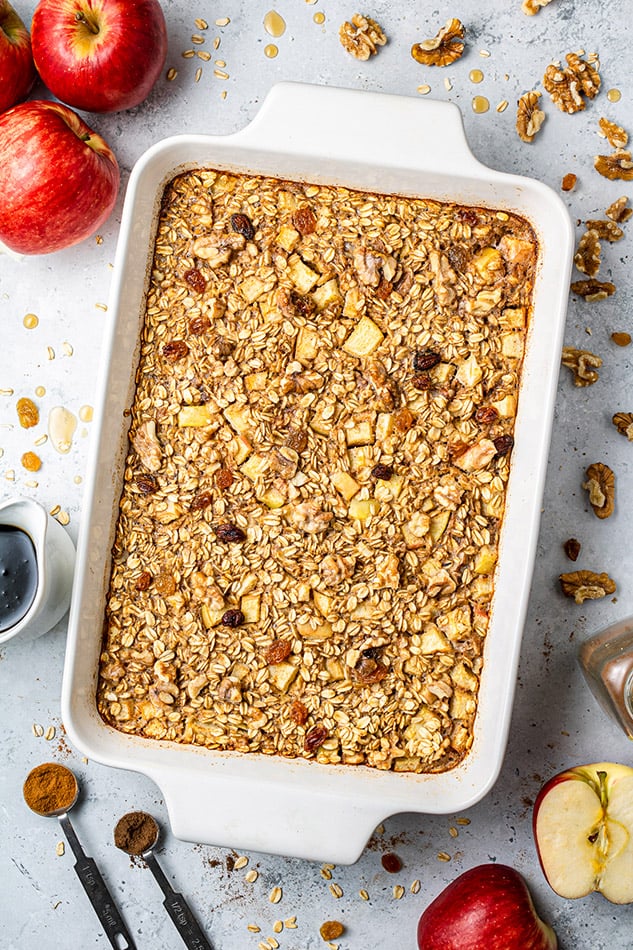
[(195, 279), (383, 472), (486, 415), (458, 257), (331, 930), (425, 359), (31, 462), (175, 350), (298, 712), (146, 484), (224, 478), (297, 439), (383, 290), (421, 381), (277, 652), (28, 413), (165, 584), (243, 225), (144, 580), (199, 325), (503, 445), (403, 419), (304, 220), (202, 500), (391, 862), (233, 618), (314, 738), (229, 532), (468, 216), (572, 548), (368, 670)]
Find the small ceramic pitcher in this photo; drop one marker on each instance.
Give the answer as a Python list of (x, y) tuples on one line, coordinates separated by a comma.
[(55, 562)]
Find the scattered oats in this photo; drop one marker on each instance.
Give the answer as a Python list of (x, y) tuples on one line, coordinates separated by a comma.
[(101, 306), (197, 39), (398, 891), (31, 484), (424, 89), (254, 929), (484, 52), (188, 53), (448, 85), (63, 517), (503, 105), (240, 863), (443, 856), (60, 850), (216, 42), (55, 510), (6, 392), (38, 730), (415, 886), (223, 21), (99, 239), (462, 821), (171, 74), (363, 894), (50, 733), (274, 944), (336, 890), (263, 945), (67, 348), (198, 75), (204, 55), (223, 94), (220, 63), (275, 895), (42, 439), (220, 74), (290, 923), (251, 876), (326, 874), (278, 926), (201, 24), (50, 352), (453, 832), (10, 475)]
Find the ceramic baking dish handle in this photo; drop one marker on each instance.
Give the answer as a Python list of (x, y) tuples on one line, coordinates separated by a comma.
[(270, 816), (386, 129)]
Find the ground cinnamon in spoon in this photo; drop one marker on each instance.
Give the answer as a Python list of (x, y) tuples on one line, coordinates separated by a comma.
[(136, 832), (49, 787)]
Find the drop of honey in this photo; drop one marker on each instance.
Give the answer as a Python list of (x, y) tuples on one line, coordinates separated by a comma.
[(270, 51), (274, 24), (40, 391), (476, 75), (319, 18), (86, 413), (61, 428), (480, 104), (614, 95), (30, 321)]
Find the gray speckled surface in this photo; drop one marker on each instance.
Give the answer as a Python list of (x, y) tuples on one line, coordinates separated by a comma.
[(556, 722)]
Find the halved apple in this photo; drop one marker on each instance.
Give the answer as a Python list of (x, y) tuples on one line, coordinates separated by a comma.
[(583, 829)]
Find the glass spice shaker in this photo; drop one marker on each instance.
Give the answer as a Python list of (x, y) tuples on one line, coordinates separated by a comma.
[(606, 660)]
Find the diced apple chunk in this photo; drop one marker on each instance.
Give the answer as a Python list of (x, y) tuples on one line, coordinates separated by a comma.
[(513, 318), (485, 560), (256, 382), (469, 373), (463, 677), (462, 704), (288, 238), (307, 345), (389, 490), (345, 484), (384, 427), (273, 498), (240, 448), (255, 467), (438, 524), (361, 509), (360, 433), (354, 303), (250, 605), (327, 294), (211, 616), (196, 417), (456, 624), (512, 345), (488, 264), (302, 276), (335, 669), (506, 407), (416, 529), (364, 338), (282, 675), (360, 457), (252, 287), (239, 417), (434, 641), (322, 602)]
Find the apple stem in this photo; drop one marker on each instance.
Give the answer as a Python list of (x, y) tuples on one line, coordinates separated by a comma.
[(602, 779), (81, 17)]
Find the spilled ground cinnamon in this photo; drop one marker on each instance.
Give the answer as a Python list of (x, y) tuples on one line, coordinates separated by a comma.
[(49, 788)]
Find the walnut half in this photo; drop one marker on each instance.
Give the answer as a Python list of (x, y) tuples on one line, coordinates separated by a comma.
[(623, 421), (592, 289), (587, 256), (529, 117), (361, 37), (583, 365), (616, 167), (601, 487), (586, 585), (444, 48), (567, 86), (531, 7)]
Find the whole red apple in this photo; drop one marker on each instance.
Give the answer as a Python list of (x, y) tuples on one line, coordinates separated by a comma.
[(583, 829), (486, 908), (17, 71), (99, 55), (58, 178)]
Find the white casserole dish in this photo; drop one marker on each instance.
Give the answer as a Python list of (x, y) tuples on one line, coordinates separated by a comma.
[(272, 804)]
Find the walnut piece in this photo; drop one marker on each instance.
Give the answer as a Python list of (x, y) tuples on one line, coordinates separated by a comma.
[(531, 7), (444, 48), (586, 585), (567, 86), (592, 289), (569, 181), (613, 133), (619, 211), (623, 421), (601, 487), (361, 37), (616, 167), (587, 256), (606, 230), (529, 117), (583, 364)]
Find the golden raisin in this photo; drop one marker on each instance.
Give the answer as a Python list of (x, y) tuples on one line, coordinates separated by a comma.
[(28, 413), (144, 580), (31, 462), (224, 478), (199, 325), (165, 584), (569, 182), (621, 339), (304, 220), (298, 712), (331, 930), (278, 651), (175, 350)]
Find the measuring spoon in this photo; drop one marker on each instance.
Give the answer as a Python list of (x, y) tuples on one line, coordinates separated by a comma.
[(174, 903), (89, 874)]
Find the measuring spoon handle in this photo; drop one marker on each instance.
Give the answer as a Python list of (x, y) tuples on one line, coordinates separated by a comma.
[(98, 893), (178, 909)]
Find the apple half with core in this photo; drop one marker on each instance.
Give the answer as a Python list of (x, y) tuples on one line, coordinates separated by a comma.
[(99, 55), (58, 179), (488, 907), (17, 70), (583, 828)]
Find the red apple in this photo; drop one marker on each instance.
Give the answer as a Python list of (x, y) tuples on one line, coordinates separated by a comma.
[(583, 828), (17, 72), (486, 908), (58, 178), (99, 55)]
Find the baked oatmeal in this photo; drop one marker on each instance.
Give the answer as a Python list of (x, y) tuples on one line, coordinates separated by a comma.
[(320, 443)]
